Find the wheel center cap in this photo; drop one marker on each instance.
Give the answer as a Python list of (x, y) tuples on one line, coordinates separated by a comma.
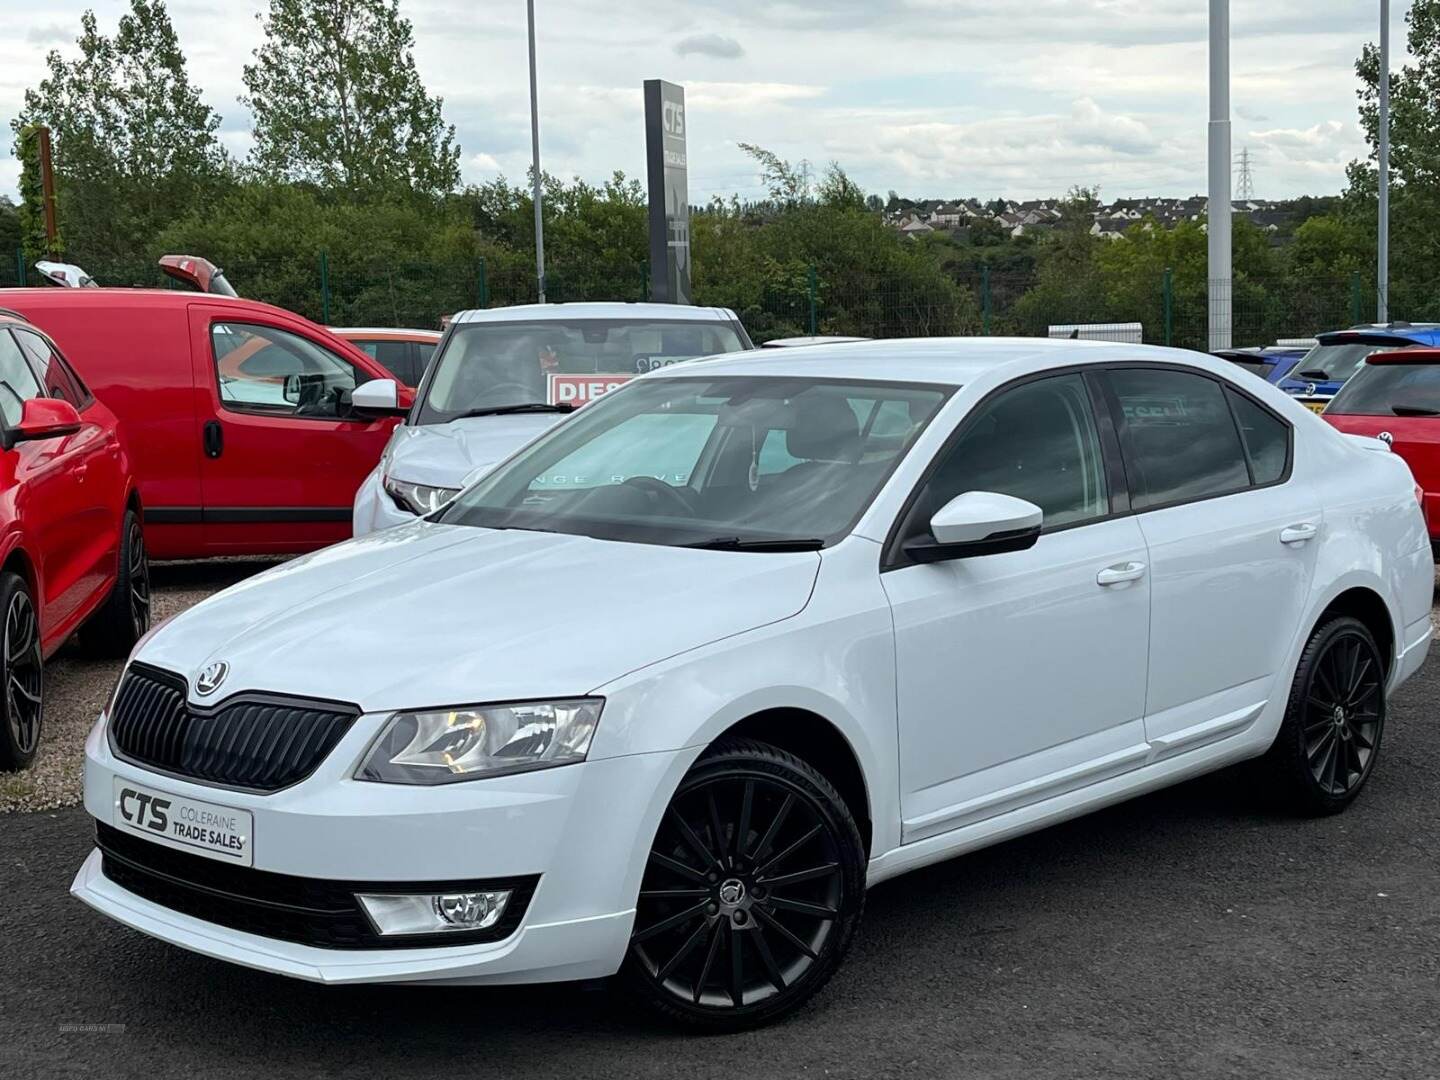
[(1338, 716), (732, 891)]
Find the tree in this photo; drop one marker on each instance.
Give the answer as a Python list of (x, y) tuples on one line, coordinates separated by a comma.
[(337, 101), (134, 145), (789, 185)]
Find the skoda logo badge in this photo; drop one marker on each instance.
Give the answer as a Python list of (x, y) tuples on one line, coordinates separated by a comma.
[(211, 678), (1386, 438)]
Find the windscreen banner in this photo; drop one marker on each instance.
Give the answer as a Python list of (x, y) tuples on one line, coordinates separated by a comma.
[(580, 390)]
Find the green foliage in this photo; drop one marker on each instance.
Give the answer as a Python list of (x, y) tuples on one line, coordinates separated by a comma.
[(30, 217), (133, 143), (338, 102)]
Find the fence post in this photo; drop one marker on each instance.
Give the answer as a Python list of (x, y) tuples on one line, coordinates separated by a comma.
[(985, 298), (482, 286), (325, 288), (1169, 306), (810, 281), (645, 281), (20, 265), (1355, 304)]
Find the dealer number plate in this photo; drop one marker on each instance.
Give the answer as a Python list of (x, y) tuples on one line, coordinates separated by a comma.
[(218, 832)]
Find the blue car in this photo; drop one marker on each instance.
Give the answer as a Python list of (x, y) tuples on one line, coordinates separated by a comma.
[(1339, 354), (1271, 362)]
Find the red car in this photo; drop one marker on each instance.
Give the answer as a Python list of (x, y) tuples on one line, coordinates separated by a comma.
[(72, 545), (1395, 397), (237, 413)]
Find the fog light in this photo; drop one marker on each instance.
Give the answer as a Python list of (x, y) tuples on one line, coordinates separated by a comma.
[(434, 913)]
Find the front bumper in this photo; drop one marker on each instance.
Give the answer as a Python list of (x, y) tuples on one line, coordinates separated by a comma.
[(584, 829), (374, 509)]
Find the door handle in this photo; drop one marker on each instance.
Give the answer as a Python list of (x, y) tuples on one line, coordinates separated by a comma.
[(1120, 573), (214, 438), (1298, 534)]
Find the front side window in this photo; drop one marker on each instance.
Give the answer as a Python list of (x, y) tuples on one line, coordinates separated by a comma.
[(1181, 442), (1037, 442), (17, 381), (263, 369), (500, 366), (679, 461)]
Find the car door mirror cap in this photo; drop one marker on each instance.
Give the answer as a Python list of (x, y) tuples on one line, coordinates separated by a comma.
[(978, 523), (44, 418), (378, 396)]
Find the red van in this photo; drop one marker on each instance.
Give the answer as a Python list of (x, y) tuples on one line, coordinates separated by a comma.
[(237, 414)]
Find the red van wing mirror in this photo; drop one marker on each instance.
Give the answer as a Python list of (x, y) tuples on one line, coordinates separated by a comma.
[(43, 418)]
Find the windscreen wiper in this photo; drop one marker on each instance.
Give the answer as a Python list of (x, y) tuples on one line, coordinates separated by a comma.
[(741, 543), (1315, 373), (524, 407), (1413, 410)]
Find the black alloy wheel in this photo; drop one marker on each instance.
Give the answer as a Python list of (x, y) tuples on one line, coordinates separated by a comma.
[(139, 576), (124, 618), (23, 672), (752, 891), (1330, 737)]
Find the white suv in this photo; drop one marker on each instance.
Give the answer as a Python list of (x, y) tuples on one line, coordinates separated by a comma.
[(503, 375)]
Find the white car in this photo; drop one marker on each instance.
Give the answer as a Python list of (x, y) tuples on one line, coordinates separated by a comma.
[(503, 375), (863, 607)]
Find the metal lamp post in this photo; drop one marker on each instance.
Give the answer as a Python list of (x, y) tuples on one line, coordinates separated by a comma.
[(1382, 269), (1218, 221), (535, 158)]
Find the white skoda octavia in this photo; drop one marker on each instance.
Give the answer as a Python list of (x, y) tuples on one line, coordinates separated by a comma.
[(666, 691)]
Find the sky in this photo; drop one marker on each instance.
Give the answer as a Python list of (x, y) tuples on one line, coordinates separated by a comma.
[(930, 98)]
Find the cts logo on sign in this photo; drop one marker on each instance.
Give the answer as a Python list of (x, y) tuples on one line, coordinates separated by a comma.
[(143, 810), (211, 678), (673, 117), (580, 390)]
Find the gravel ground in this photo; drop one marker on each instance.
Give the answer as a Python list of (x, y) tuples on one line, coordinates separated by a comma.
[(77, 686)]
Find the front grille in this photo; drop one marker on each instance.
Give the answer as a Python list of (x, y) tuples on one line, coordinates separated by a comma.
[(262, 742), (309, 911)]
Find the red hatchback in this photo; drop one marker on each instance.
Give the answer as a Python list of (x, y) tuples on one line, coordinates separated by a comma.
[(1395, 397), (72, 546), (237, 413)]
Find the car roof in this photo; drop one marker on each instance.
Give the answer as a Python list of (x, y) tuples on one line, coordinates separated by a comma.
[(945, 361), (566, 312), (386, 331), (111, 297)]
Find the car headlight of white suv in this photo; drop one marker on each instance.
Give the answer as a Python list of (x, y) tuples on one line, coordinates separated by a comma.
[(418, 498), (442, 746)]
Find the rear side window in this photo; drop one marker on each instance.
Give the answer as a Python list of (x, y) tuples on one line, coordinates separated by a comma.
[(1266, 438), (1181, 442), (17, 382), (393, 356), (1390, 390), (60, 379)]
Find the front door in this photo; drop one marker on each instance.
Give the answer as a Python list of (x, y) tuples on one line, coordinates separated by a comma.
[(1022, 675), (283, 453)]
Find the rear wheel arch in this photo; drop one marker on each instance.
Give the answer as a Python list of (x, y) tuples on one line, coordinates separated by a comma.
[(1365, 604), (18, 562), (821, 744)]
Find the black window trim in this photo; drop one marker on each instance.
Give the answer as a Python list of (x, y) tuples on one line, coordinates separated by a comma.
[(279, 412), (1109, 422)]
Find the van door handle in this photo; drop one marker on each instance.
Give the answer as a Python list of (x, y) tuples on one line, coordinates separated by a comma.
[(214, 438), (1120, 573), (1298, 534)]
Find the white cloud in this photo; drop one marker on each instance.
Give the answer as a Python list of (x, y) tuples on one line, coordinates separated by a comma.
[(717, 45)]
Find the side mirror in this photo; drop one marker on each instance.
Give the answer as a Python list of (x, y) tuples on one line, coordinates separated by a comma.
[(978, 523), (378, 397), (43, 418), (291, 392)]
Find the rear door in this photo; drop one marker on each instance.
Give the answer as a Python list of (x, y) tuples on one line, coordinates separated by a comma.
[(1232, 540), (283, 454)]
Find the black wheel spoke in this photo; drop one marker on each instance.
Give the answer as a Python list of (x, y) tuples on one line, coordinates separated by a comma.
[(782, 880), (678, 919), (685, 950), (747, 805), (715, 938), (796, 846), (774, 829), (717, 831), (816, 911), (676, 866), (767, 960), (693, 841), (737, 967), (673, 894), (784, 931)]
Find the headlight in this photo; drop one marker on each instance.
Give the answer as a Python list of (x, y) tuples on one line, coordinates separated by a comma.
[(418, 498), (446, 745)]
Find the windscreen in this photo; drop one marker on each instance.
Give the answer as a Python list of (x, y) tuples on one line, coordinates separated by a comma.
[(705, 461), (490, 365), (1390, 390)]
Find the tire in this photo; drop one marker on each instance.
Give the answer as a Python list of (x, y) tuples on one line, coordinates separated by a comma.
[(22, 705), (1330, 738), (125, 616), (716, 945)]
